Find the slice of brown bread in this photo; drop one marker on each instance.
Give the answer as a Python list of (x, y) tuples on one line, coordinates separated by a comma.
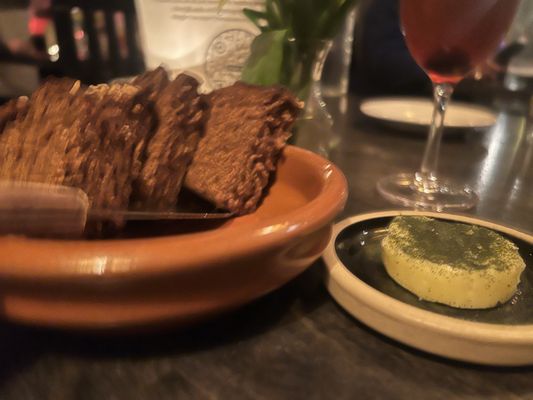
[(154, 81), (247, 129), (181, 114), (90, 138), (33, 146), (113, 134)]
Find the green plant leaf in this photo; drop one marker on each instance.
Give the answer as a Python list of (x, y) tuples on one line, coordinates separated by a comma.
[(264, 66), (274, 17), (292, 33), (305, 20), (259, 19), (336, 19), (282, 8)]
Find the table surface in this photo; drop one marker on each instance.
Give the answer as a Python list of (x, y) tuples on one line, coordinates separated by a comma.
[(296, 343)]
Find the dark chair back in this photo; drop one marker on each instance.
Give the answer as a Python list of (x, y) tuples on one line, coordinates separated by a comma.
[(97, 39)]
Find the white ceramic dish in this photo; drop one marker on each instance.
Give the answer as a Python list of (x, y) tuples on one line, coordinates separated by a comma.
[(417, 112), (356, 279)]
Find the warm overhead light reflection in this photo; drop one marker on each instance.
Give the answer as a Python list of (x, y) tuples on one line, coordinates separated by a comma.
[(93, 265), (278, 227), (102, 265), (53, 52)]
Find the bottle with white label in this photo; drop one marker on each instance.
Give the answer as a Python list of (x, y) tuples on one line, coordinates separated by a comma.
[(202, 37)]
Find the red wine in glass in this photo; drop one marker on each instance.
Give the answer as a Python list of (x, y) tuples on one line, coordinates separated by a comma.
[(448, 39)]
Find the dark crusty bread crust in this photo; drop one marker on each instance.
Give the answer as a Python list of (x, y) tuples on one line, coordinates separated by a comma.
[(116, 128), (247, 129), (132, 144), (33, 147), (154, 81), (181, 114), (123, 144), (90, 138)]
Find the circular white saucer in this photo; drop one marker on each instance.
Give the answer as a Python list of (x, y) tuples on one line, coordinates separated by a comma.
[(500, 336), (417, 112)]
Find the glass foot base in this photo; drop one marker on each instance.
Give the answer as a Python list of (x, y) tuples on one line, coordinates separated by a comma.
[(404, 189)]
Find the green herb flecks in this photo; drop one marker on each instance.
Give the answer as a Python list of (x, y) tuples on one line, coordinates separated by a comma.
[(455, 244)]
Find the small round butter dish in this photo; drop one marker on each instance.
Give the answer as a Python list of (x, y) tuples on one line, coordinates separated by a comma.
[(356, 278)]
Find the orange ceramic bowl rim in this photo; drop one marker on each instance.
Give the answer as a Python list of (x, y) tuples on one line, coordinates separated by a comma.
[(43, 259)]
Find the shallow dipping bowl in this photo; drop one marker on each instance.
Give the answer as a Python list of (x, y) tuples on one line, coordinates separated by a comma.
[(176, 278)]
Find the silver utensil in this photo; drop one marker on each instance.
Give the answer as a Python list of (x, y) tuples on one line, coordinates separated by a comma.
[(37, 209)]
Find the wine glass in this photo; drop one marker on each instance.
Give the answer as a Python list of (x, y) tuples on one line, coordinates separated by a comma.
[(448, 39)]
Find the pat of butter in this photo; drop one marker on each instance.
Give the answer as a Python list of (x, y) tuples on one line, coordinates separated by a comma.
[(459, 265)]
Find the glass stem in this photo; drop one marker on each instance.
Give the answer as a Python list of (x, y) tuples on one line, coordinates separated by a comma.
[(426, 178)]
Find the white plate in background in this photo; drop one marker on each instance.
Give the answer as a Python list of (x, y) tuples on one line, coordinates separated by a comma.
[(417, 113)]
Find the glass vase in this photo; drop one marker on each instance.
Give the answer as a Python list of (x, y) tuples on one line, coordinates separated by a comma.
[(313, 130)]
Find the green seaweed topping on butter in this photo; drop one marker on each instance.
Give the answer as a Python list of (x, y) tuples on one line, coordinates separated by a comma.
[(455, 244)]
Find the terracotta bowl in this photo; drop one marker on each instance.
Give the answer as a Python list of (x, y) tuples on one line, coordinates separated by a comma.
[(178, 278)]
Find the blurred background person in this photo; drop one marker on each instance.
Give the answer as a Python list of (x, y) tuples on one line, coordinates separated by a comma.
[(381, 62), (22, 49)]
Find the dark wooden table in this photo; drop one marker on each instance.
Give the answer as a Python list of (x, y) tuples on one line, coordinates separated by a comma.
[(295, 343)]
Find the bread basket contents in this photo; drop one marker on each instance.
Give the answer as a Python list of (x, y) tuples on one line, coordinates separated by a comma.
[(460, 265), (245, 133), (131, 147)]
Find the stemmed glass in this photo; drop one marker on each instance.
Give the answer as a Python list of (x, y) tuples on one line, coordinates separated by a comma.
[(448, 39)]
